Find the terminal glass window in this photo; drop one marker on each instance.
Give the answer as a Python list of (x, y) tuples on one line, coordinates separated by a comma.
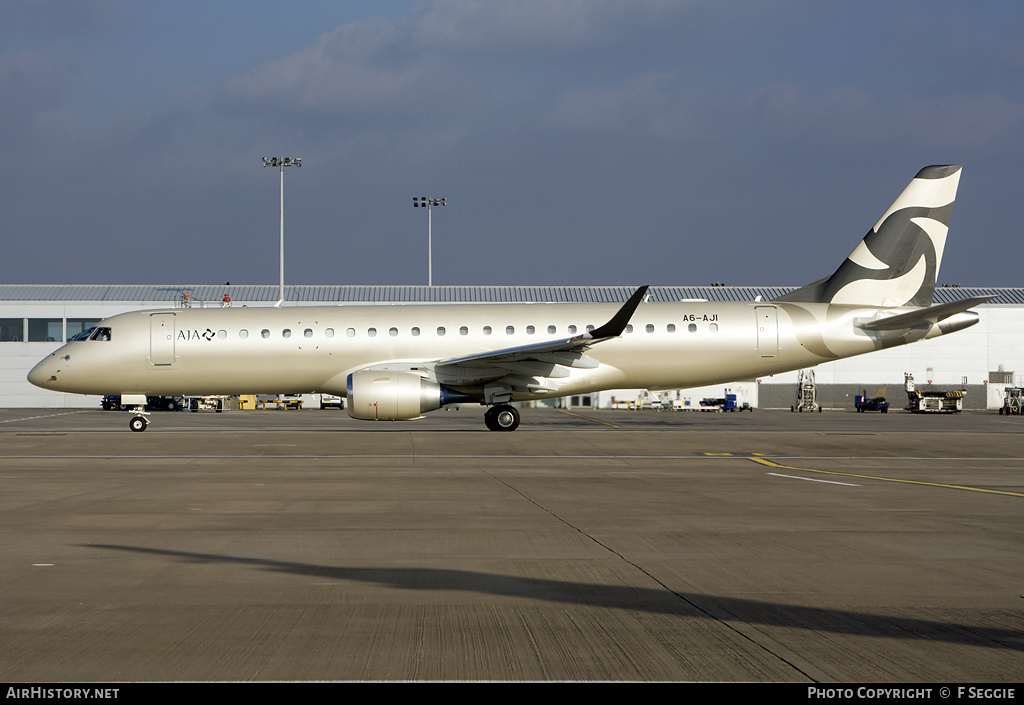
[(12, 330), (48, 330)]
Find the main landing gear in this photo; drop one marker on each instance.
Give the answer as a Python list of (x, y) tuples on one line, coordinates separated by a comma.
[(502, 417)]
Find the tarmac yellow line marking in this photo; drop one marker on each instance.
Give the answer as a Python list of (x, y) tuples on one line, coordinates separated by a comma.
[(769, 463)]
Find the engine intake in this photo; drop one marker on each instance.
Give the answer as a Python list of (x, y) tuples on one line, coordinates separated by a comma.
[(393, 395)]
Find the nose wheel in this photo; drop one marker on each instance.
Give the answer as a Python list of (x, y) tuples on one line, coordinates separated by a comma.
[(138, 423), (502, 417)]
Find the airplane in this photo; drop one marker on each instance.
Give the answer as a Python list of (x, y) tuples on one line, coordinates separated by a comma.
[(397, 362)]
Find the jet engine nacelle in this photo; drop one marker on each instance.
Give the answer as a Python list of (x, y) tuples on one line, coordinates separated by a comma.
[(391, 395)]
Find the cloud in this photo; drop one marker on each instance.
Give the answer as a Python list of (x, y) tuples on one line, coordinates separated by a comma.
[(563, 126), (51, 20), (453, 58), (34, 85), (342, 73)]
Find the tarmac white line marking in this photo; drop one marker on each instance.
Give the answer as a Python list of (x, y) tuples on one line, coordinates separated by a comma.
[(812, 479), (443, 456), (410, 456), (587, 418), (45, 416), (763, 461)]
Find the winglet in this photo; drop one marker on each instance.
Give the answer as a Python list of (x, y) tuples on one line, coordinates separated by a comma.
[(618, 322)]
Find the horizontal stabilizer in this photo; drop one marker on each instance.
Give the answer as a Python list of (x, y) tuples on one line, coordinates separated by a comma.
[(924, 316)]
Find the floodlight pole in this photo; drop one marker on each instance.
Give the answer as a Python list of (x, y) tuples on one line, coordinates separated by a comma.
[(282, 162), (428, 203)]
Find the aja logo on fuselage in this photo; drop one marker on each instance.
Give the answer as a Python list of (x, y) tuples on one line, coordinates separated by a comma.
[(196, 335)]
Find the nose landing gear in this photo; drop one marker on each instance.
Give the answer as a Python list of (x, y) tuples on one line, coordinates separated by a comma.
[(138, 423)]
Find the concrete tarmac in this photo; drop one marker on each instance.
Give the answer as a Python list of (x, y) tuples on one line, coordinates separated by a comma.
[(601, 545)]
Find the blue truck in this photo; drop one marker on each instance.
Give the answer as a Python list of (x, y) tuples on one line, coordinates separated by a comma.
[(862, 403)]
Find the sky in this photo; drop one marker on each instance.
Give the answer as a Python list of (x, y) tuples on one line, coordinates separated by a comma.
[(577, 142)]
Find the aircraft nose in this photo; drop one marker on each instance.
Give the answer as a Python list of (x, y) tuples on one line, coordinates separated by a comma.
[(44, 374)]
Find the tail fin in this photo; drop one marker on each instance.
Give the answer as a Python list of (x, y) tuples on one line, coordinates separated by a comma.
[(897, 262)]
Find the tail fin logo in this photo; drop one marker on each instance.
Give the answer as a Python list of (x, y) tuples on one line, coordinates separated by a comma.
[(897, 262)]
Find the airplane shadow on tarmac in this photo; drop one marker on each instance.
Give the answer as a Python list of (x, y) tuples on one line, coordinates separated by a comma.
[(661, 601)]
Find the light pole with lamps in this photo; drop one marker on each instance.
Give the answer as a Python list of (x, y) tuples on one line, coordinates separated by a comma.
[(282, 162), (427, 203)]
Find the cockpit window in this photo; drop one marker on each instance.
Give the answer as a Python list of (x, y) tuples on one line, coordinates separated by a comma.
[(94, 333)]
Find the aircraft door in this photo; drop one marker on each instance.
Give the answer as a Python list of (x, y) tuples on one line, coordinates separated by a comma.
[(767, 330), (161, 338)]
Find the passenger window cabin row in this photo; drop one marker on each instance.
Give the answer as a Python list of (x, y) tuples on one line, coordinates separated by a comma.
[(441, 331), (99, 333)]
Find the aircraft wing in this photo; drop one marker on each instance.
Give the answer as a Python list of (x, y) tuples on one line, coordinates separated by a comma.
[(532, 367), (924, 316)]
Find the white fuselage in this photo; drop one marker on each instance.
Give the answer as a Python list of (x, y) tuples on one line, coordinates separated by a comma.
[(251, 350)]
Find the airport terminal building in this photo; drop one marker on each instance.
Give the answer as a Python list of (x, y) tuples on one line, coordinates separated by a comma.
[(982, 360)]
